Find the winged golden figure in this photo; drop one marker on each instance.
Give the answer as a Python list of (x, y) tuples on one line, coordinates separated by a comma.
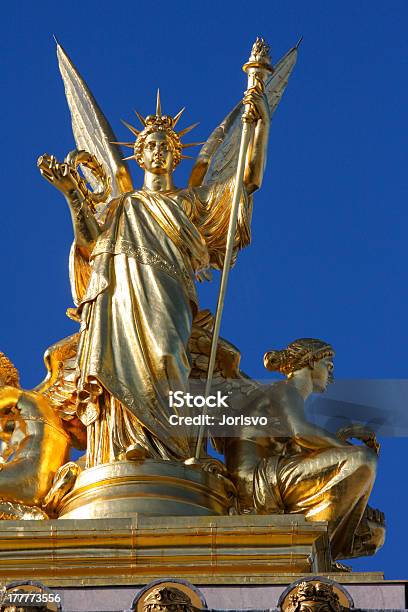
[(138, 251)]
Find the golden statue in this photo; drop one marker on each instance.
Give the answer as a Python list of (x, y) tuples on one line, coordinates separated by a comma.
[(36, 448), (302, 468), (133, 264), (135, 257)]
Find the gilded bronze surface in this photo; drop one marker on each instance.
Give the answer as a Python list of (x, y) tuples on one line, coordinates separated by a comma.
[(145, 247), (174, 596), (154, 487), (37, 447), (304, 469), (315, 596), (210, 549), (248, 178), (165, 599), (136, 255)]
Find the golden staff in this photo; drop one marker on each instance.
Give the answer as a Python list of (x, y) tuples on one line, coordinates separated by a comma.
[(257, 69)]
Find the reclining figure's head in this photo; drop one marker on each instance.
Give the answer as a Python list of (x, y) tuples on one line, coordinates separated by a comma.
[(311, 353)]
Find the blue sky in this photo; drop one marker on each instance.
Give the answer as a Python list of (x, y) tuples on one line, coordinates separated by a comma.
[(328, 257)]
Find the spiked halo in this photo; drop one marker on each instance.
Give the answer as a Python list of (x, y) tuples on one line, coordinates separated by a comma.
[(158, 123)]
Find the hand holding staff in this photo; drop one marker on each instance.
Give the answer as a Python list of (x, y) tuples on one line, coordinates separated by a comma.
[(257, 68)]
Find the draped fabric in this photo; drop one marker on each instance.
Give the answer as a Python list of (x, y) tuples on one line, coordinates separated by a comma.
[(136, 315)]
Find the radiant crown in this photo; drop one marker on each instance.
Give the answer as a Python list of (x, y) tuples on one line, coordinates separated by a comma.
[(158, 123)]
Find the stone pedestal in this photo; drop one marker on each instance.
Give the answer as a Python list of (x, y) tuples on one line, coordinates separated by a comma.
[(236, 562), (364, 591), (140, 549), (368, 591)]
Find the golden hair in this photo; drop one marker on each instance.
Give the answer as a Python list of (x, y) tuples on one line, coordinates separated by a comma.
[(300, 353), (152, 129)]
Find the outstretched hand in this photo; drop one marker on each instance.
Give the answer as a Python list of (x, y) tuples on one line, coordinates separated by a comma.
[(360, 432), (61, 175)]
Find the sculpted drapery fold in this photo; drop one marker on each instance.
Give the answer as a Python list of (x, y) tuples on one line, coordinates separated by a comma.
[(136, 314), (133, 265), (135, 257)]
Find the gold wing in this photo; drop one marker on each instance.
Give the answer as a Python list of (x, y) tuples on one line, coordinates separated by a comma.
[(217, 160), (59, 385), (92, 133), (91, 129)]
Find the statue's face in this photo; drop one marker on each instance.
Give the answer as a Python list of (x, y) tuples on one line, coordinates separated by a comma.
[(322, 374), (158, 153)]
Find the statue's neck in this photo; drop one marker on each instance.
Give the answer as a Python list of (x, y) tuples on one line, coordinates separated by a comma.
[(158, 182), (302, 381)]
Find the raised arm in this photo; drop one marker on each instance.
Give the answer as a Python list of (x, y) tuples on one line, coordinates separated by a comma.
[(256, 155), (66, 178)]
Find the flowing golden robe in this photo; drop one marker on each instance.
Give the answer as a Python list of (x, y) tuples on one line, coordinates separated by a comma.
[(137, 311)]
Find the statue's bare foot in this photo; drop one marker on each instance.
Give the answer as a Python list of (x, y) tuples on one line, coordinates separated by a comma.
[(136, 452)]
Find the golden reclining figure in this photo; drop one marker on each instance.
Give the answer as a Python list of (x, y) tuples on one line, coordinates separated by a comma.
[(299, 468), (37, 445)]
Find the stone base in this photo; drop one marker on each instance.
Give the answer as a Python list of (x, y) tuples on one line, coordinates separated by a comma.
[(366, 591), (358, 592), (226, 549), (236, 562)]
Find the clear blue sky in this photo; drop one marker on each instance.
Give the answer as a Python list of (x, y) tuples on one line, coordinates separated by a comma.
[(328, 257)]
